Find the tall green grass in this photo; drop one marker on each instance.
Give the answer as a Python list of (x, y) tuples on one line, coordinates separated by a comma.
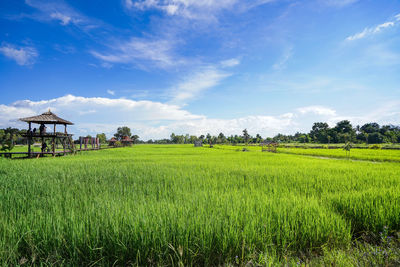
[(357, 154), (177, 204)]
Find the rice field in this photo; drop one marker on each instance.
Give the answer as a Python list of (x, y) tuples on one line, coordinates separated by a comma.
[(180, 205), (355, 154)]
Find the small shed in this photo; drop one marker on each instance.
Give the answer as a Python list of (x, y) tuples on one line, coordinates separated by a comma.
[(268, 146)]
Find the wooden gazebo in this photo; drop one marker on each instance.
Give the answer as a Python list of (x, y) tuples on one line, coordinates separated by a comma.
[(46, 119)]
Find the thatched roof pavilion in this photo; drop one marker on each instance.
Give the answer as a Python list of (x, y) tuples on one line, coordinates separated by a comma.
[(126, 141), (46, 118)]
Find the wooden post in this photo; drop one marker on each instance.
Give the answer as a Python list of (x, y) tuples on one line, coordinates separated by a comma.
[(54, 141), (65, 139), (29, 140)]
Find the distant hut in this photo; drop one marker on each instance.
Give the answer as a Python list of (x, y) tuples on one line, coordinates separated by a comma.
[(43, 120), (198, 143), (269, 146), (126, 141), (112, 141)]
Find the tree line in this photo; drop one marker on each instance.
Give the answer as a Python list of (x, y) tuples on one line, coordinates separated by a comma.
[(342, 132)]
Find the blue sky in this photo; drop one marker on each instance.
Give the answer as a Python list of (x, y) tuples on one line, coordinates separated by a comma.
[(187, 66)]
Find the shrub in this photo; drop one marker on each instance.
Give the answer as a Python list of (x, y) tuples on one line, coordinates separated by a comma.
[(118, 144), (8, 145), (375, 146)]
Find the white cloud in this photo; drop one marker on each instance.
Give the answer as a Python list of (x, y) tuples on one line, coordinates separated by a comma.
[(385, 114), (196, 83), (137, 51), (111, 92), (89, 111), (195, 9), (64, 19), (23, 55), (371, 31), (281, 63), (183, 7), (318, 110), (10, 114), (156, 120), (125, 108), (84, 112), (339, 3), (265, 125), (128, 4), (61, 12), (230, 63)]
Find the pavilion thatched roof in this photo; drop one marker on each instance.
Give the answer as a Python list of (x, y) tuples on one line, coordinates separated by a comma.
[(126, 139), (46, 118)]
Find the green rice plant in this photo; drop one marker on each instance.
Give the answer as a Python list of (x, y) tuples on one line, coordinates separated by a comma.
[(180, 205), (356, 154), (371, 210)]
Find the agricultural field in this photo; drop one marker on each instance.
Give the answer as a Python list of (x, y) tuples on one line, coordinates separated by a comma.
[(181, 205), (355, 154)]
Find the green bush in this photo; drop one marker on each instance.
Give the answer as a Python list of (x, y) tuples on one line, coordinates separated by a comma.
[(375, 146), (118, 144)]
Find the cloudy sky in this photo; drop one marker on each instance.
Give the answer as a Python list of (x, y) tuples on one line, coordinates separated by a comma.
[(191, 66)]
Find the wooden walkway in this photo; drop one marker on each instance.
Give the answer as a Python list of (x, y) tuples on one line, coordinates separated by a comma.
[(33, 154), (24, 155)]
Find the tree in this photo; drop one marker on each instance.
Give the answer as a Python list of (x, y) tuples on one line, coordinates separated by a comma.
[(102, 138), (135, 138), (347, 148), (122, 131), (246, 136), (345, 131), (344, 126), (319, 132), (2, 135), (221, 138), (303, 138), (257, 139), (375, 138), (8, 142), (193, 139), (208, 137), (370, 128)]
